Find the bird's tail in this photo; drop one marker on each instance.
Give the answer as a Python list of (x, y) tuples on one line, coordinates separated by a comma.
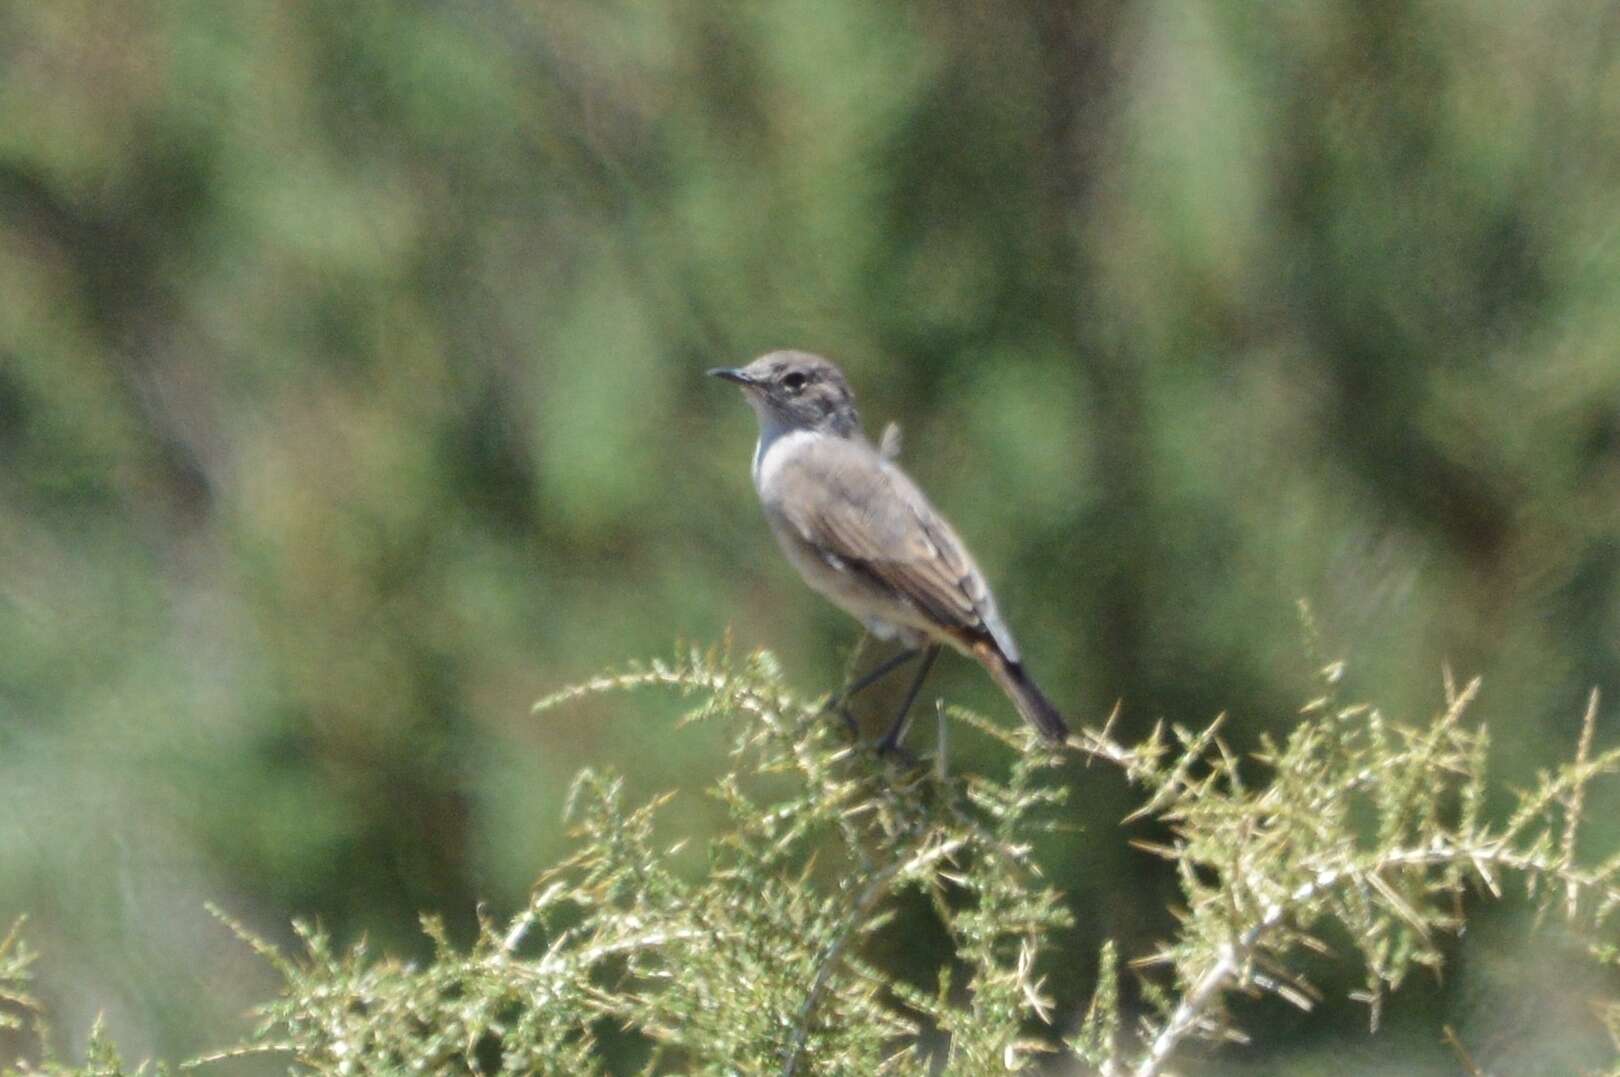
[(1029, 699)]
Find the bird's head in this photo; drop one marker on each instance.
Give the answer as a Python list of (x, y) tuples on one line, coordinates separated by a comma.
[(797, 391)]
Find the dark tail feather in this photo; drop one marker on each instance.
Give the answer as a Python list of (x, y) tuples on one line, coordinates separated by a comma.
[(1030, 700)]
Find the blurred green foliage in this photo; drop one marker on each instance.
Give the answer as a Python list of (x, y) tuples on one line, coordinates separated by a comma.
[(350, 401)]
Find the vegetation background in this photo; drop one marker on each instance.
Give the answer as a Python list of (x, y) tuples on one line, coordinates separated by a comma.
[(351, 400)]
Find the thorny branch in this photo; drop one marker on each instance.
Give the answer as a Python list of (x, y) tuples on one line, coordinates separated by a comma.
[(1193, 779), (869, 896), (1234, 957)]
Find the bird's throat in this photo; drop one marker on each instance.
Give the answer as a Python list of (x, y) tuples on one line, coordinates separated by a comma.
[(776, 444)]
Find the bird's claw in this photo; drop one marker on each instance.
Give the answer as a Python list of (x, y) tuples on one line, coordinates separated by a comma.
[(890, 748), (836, 706)]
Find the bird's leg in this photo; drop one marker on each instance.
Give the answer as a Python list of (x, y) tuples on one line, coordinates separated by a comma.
[(897, 732), (881, 670), (838, 703)]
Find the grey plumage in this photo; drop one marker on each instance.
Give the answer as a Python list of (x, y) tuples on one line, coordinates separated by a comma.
[(860, 531)]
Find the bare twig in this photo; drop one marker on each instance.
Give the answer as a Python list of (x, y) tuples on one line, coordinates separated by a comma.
[(868, 898), (1469, 1066)]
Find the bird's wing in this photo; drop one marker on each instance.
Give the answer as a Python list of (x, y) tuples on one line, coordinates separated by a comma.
[(889, 443), (855, 507)]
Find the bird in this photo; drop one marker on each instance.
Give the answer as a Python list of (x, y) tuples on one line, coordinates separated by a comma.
[(861, 532)]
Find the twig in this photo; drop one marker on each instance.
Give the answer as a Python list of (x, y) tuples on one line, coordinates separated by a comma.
[(1467, 1060), (1577, 797), (834, 951), (1234, 956), (1231, 959)]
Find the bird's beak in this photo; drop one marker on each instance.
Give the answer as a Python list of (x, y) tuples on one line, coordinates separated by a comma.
[(732, 374)]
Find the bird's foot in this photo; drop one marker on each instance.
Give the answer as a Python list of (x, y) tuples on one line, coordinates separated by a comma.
[(890, 748), (836, 706)]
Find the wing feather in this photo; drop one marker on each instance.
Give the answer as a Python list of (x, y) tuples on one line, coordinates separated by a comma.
[(855, 507)]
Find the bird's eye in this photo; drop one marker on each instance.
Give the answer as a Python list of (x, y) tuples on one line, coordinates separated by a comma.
[(793, 381)]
